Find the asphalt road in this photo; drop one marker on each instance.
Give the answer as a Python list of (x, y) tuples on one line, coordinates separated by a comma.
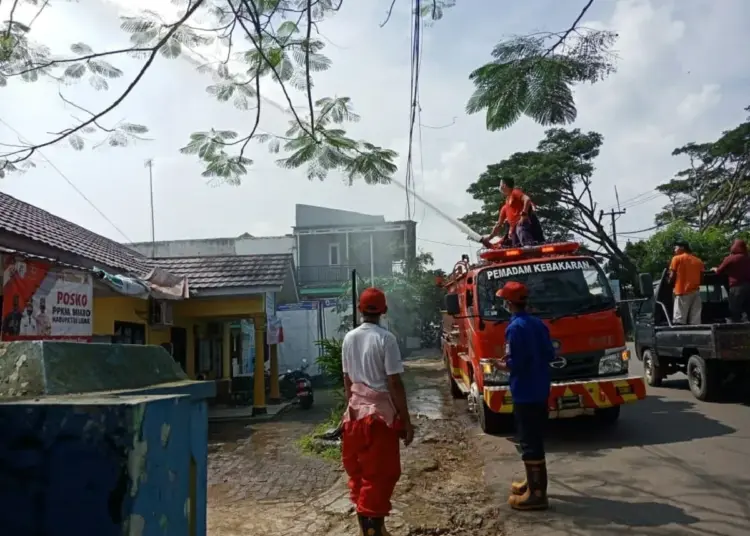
[(671, 466)]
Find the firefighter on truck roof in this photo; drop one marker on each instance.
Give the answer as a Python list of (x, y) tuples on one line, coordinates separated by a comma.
[(528, 353)]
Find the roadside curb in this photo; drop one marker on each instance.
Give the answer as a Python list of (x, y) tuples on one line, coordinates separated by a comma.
[(249, 418)]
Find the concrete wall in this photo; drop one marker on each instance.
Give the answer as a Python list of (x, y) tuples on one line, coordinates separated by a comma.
[(264, 245), (103, 466), (314, 260), (129, 461), (186, 248), (243, 245), (312, 216)]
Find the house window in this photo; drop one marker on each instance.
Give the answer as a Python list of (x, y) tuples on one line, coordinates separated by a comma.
[(333, 255), (129, 333)]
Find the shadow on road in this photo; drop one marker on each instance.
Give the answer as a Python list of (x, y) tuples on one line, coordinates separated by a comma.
[(732, 392), (591, 512), (231, 432), (653, 421)]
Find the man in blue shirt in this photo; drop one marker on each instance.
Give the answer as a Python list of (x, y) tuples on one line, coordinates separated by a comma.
[(528, 353)]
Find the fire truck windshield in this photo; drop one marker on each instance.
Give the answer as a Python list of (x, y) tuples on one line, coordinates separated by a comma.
[(557, 288)]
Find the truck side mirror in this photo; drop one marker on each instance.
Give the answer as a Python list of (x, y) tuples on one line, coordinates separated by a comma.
[(451, 304), (646, 285)]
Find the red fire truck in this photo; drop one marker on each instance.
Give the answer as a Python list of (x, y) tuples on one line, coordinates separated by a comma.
[(569, 291)]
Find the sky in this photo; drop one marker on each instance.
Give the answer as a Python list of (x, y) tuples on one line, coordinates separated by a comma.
[(682, 76)]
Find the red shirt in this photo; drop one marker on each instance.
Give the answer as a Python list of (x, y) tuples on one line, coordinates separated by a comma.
[(514, 206), (737, 269)]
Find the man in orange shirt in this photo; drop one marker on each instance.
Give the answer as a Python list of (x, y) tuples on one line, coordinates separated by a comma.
[(686, 273), (515, 211)]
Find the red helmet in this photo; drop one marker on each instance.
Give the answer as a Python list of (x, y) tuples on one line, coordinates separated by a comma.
[(514, 292)]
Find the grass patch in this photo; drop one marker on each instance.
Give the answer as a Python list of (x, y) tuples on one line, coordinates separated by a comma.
[(309, 445)]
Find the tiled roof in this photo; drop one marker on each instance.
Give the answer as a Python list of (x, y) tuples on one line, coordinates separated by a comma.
[(39, 225), (229, 271)]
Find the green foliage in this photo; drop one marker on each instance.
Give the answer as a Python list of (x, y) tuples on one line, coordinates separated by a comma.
[(715, 189), (329, 362), (710, 244), (557, 176), (269, 41), (310, 445), (534, 75), (414, 301)]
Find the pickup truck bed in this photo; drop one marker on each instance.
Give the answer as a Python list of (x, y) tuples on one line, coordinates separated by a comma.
[(710, 341)]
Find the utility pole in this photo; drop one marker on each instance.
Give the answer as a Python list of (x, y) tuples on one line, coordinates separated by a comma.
[(150, 165), (615, 266), (613, 215)]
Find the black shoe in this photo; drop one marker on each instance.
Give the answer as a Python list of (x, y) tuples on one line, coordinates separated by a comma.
[(372, 526)]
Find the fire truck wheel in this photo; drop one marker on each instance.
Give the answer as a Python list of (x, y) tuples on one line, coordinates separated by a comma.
[(491, 422), (651, 370), (608, 416)]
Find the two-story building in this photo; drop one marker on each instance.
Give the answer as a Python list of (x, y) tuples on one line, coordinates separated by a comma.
[(330, 243)]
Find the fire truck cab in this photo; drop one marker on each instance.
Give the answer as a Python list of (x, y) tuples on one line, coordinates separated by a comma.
[(571, 294)]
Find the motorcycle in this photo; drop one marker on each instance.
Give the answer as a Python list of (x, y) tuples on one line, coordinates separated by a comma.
[(297, 385)]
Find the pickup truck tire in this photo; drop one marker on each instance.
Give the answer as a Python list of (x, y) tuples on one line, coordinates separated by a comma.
[(608, 416), (651, 370), (703, 378)]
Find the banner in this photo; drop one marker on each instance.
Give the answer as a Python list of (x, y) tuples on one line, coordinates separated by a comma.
[(248, 346), (42, 301), (275, 334)]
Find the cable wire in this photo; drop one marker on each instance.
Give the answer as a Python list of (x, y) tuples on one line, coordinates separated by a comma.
[(413, 104), (69, 181)]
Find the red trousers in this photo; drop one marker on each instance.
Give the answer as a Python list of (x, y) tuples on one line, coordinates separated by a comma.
[(372, 458)]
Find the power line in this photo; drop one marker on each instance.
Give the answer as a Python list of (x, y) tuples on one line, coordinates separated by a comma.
[(647, 229), (413, 102), (464, 246), (69, 181)]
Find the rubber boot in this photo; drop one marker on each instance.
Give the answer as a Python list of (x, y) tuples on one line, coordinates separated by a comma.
[(519, 487), (372, 526), (535, 496)]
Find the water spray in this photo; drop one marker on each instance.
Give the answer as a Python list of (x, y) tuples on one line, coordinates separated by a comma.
[(471, 234)]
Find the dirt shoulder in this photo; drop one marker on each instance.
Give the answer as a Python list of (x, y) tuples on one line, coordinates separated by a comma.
[(441, 490)]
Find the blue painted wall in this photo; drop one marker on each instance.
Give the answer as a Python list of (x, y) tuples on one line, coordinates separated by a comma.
[(103, 466)]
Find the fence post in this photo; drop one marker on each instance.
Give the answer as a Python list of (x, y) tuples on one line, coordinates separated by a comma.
[(354, 298)]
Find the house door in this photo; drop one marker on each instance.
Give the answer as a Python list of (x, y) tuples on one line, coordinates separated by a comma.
[(178, 337)]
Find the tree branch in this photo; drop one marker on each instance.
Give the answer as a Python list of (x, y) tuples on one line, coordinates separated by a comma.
[(567, 33), (31, 150), (263, 55), (74, 105), (60, 61), (388, 15), (307, 66), (10, 18)]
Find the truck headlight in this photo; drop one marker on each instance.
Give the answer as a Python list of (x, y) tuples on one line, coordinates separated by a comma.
[(614, 361), (492, 374)]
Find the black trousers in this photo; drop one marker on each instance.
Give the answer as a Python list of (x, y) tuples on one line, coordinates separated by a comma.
[(531, 425), (739, 302)]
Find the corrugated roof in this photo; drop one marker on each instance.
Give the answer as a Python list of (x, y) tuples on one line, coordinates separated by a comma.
[(230, 271), (39, 225)]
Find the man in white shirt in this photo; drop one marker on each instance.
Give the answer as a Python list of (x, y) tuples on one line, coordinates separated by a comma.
[(377, 415), (28, 322)]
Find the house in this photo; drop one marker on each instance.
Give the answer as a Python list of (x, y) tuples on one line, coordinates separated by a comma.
[(217, 290), (330, 243)]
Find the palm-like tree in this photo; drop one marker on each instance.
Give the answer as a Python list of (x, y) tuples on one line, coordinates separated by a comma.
[(533, 75)]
